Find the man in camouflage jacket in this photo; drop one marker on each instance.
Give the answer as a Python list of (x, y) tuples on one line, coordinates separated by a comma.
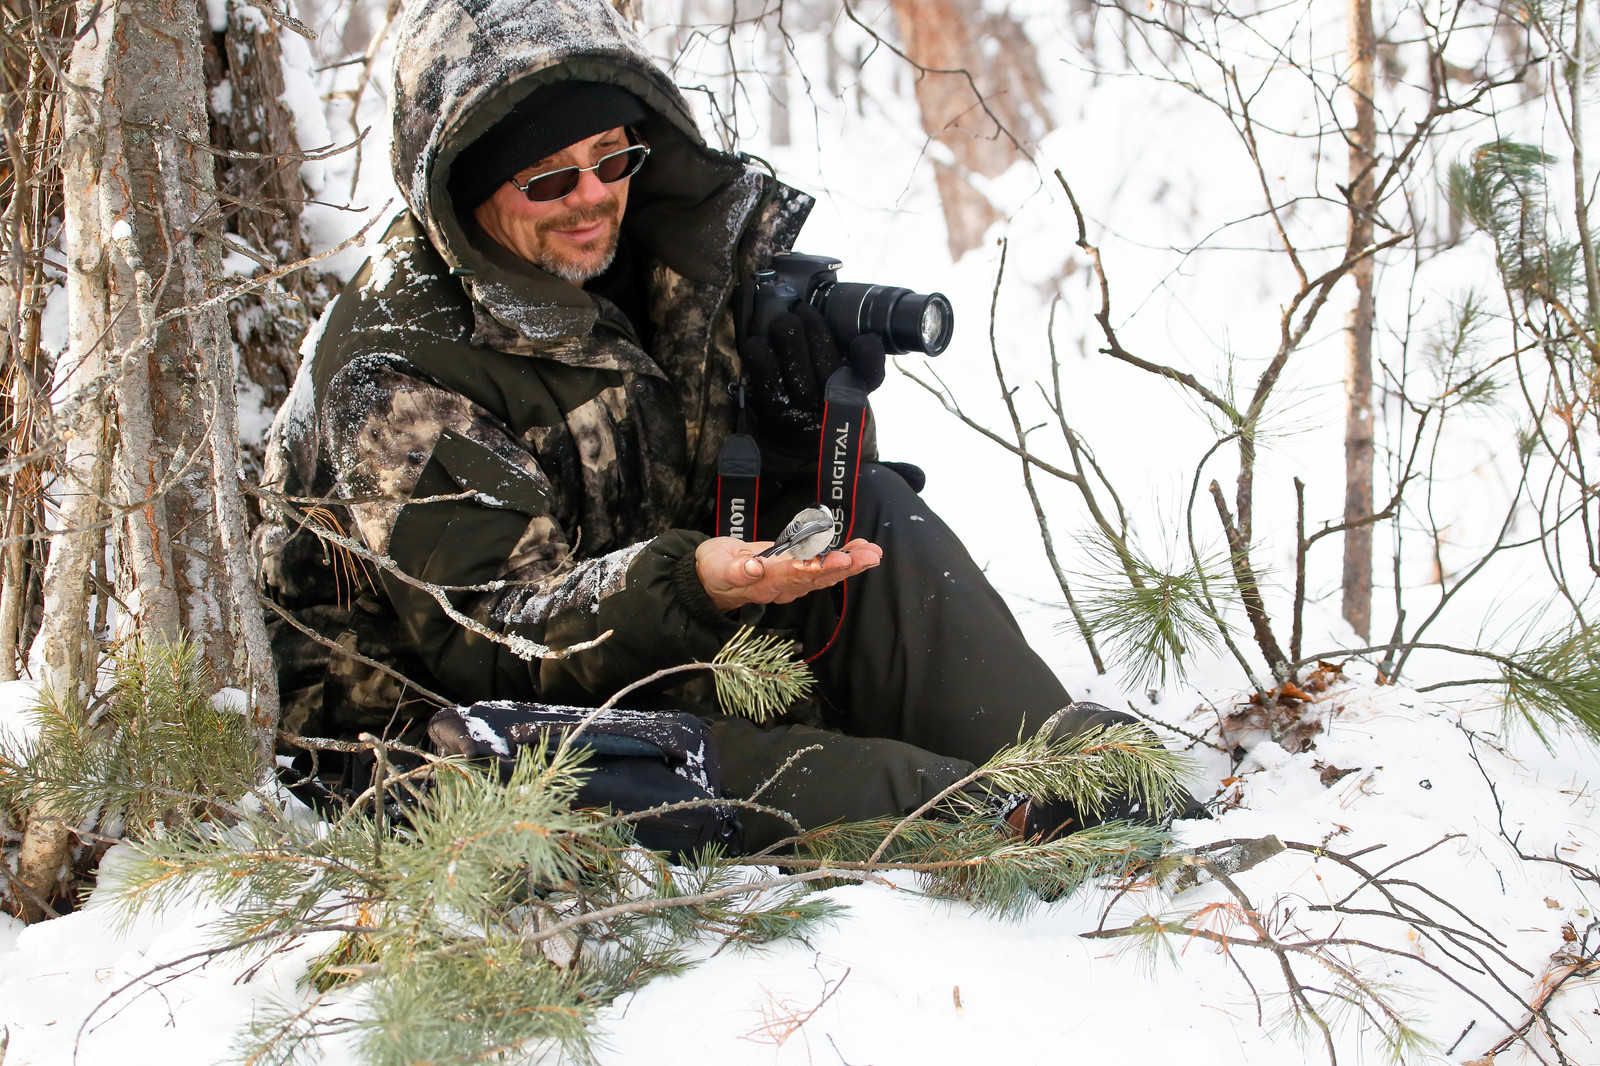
[(502, 432)]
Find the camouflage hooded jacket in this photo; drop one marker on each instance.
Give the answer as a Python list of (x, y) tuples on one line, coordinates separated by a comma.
[(577, 466)]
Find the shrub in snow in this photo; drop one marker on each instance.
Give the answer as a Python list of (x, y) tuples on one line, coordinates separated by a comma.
[(151, 754), (491, 916)]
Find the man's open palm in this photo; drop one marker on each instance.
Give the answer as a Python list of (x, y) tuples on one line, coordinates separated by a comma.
[(733, 576)]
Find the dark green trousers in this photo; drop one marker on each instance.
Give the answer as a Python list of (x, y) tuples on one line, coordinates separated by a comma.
[(927, 677)]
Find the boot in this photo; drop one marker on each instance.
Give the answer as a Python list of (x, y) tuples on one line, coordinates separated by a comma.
[(1045, 821)]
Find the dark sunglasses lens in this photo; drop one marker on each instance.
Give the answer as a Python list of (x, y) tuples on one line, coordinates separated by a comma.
[(620, 165), (558, 184), (553, 186)]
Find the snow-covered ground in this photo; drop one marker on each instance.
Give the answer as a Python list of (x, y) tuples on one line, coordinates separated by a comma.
[(914, 982), (899, 979)]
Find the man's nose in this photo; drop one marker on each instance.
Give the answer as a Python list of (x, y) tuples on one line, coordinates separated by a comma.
[(590, 191)]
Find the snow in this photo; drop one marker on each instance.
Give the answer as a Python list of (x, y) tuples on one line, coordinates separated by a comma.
[(484, 733), (303, 101), (255, 416), (382, 274), (17, 702), (918, 982), (295, 417), (222, 97), (58, 972), (53, 322), (132, 604), (120, 230), (582, 587), (231, 701), (236, 263), (694, 768)]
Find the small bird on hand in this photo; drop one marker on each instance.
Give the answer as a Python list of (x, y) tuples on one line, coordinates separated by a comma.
[(808, 535)]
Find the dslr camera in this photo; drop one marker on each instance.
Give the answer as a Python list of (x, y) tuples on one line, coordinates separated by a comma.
[(905, 320)]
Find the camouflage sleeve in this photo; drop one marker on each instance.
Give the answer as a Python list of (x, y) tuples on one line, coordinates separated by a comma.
[(443, 489)]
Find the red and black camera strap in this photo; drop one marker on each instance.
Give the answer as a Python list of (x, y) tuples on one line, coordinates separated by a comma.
[(844, 424), (738, 480), (844, 427), (839, 447)]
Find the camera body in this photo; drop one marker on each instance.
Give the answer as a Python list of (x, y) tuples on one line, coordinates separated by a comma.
[(906, 321)]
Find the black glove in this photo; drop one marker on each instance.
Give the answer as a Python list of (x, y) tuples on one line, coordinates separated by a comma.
[(790, 366)]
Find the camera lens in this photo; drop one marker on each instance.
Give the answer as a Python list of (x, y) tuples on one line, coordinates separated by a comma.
[(935, 323), (907, 321)]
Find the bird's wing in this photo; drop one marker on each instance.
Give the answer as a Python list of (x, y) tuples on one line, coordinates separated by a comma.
[(790, 538)]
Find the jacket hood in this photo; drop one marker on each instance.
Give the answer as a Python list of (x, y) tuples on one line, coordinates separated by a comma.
[(462, 65)]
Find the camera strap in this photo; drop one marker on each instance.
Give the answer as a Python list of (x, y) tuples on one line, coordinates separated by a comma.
[(738, 480), (844, 424), (844, 427)]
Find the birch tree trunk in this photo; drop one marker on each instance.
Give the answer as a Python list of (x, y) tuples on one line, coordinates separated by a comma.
[(152, 205), (64, 647), (151, 371), (1358, 439)]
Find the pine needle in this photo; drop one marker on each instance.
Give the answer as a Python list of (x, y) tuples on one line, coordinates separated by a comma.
[(758, 677), (439, 929), (1091, 768), (493, 920), (1149, 626), (1501, 190), (155, 754), (1557, 680)]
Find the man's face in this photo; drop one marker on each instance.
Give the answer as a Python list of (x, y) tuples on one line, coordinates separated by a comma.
[(574, 238)]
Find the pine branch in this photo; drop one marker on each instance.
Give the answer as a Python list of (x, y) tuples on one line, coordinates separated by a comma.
[(1152, 622), (156, 755), (758, 676)]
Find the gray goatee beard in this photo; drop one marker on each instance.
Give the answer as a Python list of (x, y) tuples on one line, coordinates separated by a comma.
[(578, 273)]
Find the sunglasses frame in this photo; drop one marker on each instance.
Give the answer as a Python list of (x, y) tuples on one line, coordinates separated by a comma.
[(577, 173)]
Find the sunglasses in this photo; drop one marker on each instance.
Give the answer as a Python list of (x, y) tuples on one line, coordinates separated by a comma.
[(558, 184)]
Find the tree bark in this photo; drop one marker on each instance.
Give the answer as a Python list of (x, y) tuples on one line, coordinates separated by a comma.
[(64, 648), (149, 419), (1358, 440), (985, 103), (141, 273), (143, 177), (1250, 589), (30, 107)]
